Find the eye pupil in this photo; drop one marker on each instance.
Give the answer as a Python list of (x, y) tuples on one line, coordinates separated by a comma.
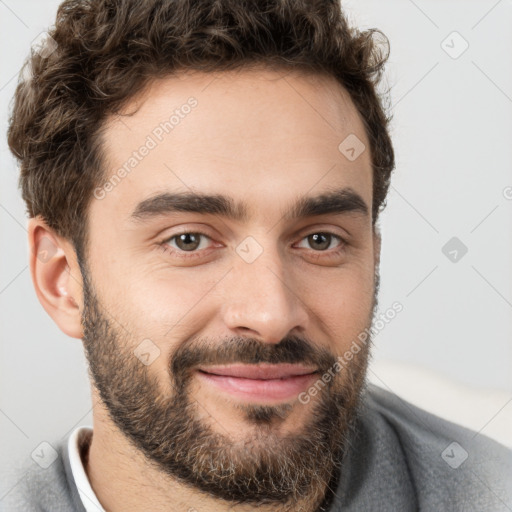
[(316, 238), (185, 238)]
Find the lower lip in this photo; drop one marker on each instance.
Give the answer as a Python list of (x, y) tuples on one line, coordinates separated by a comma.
[(259, 389)]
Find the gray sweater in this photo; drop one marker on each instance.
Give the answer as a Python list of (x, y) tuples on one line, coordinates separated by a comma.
[(400, 458)]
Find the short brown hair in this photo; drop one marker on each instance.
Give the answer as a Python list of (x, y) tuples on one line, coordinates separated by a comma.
[(108, 50)]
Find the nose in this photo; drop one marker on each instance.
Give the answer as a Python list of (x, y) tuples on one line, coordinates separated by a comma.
[(261, 301)]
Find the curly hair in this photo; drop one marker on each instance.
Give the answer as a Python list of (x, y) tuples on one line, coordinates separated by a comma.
[(106, 51)]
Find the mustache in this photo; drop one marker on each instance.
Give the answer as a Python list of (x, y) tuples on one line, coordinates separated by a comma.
[(292, 350)]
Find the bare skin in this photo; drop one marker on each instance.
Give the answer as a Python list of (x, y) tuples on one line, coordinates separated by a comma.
[(264, 138)]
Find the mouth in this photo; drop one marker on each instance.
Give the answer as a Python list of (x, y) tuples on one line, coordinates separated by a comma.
[(262, 382)]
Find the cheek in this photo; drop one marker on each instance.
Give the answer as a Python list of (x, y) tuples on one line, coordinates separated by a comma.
[(342, 302), (168, 311), (167, 305)]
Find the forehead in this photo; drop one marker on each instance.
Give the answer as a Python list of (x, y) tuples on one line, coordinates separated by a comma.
[(262, 135)]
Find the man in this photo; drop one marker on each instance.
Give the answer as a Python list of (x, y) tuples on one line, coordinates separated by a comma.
[(180, 163)]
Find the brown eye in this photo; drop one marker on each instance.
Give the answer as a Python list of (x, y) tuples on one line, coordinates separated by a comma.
[(188, 241), (321, 241)]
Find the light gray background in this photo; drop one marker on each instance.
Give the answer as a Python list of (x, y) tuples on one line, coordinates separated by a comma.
[(452, 131)]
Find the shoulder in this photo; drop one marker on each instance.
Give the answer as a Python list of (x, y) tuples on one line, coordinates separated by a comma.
[(447, 463), (44, 487)]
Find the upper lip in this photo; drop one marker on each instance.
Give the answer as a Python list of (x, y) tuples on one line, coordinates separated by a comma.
[(260, 371)]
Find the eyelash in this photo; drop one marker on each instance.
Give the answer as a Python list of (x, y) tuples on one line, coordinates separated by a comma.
[(197, 253)]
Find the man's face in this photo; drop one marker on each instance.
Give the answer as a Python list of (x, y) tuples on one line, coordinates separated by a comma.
[(167, 317)]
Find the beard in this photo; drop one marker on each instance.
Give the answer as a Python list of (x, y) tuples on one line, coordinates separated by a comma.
[(264, 467)]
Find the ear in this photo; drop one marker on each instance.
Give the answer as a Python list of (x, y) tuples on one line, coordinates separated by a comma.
[(56, 276)]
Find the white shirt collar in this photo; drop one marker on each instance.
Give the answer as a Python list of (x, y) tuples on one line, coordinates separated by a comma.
[(90, 501)]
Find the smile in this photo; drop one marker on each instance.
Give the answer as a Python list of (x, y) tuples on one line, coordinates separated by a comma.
[(274, 382)]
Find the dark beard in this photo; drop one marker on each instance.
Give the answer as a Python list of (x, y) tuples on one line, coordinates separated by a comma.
[(262, 469)]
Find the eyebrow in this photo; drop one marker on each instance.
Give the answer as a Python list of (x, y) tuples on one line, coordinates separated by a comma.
[(340, 201)]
